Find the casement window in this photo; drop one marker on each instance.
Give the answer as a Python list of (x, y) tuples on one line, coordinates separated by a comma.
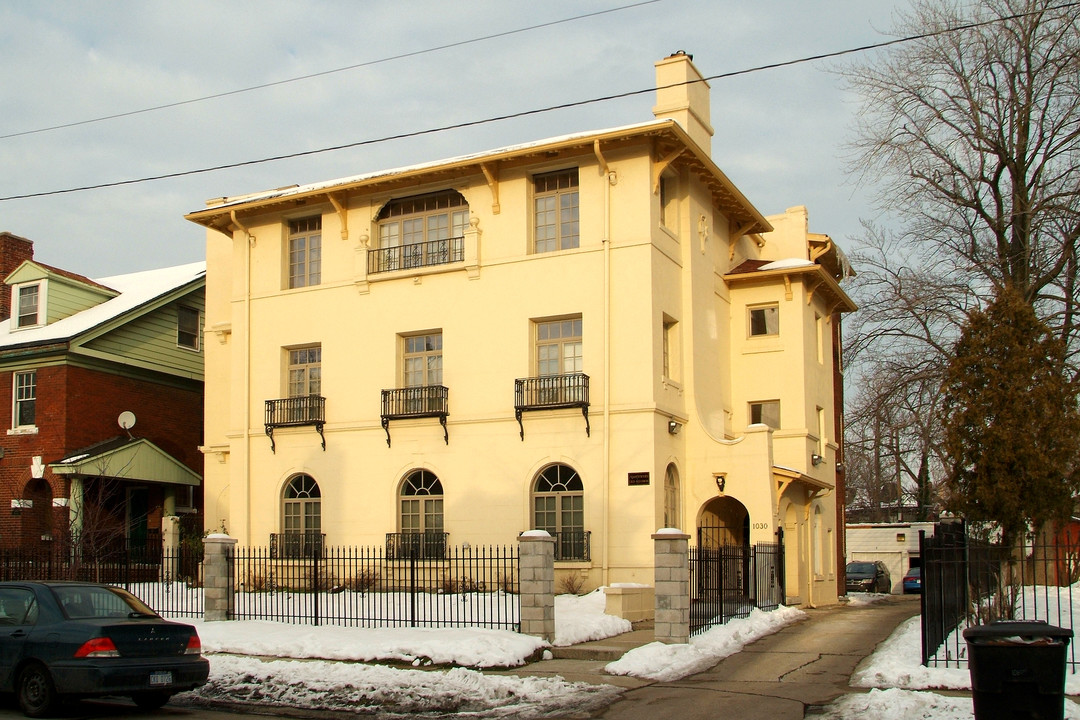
[(301, 509), (29, 305), (672, 517), (305, 371), (305, 252), (764, 320), (671, 359), (188, 327), (421, 503), (24, 413), (559, 347), (555, 211), (669, 209), (422, 230), (765, 413), (422, 360), (559, 508)]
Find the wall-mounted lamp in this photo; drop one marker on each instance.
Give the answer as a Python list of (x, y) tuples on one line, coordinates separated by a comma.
[(673, 427), (839, 467), (721, 481), (816, 459)]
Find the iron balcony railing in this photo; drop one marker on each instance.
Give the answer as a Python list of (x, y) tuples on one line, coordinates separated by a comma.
[(416, 546), (415, 402), (296, 412), (415, 255), (297, 545), (551, 392), (572, 545)]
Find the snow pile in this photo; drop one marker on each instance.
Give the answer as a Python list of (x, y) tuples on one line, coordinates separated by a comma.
[(658, 661), (897, 663), (355, 687), (581, 618)]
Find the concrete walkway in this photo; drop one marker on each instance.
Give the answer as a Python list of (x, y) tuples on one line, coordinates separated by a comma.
[(778, 677)]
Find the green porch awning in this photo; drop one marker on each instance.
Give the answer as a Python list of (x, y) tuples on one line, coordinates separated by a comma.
[(127, 459)]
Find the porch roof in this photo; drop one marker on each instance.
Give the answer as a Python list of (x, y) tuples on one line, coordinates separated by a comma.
[(127, 459)]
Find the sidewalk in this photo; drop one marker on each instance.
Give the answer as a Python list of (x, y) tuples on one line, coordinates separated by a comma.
[(779, 677)]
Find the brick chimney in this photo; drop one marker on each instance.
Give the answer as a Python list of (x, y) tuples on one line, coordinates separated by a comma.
[(683, 95), (14, 250)]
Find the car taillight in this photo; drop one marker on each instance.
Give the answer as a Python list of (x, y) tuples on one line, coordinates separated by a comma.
[(98, 647), (194, 645)]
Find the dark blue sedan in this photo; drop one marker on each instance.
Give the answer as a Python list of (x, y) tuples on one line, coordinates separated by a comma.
[(62, 640), (913, 580)]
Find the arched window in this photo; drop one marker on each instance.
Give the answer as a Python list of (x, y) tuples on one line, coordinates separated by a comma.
[(672, 514), (421, 230), (421, 517), (301, 518), (559, 508)]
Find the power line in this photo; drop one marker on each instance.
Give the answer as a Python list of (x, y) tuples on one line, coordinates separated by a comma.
[(523, 113), (402, 56)]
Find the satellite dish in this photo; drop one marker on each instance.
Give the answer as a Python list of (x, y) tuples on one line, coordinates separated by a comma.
[(126, 420)]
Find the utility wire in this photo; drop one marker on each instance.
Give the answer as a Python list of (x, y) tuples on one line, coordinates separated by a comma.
[(526, 113), (322, 73)]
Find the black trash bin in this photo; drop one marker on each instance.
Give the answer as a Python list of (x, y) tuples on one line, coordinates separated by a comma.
[(1018, 669)]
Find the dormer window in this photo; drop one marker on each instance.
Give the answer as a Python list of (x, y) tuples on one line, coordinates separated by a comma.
[(28, 301)]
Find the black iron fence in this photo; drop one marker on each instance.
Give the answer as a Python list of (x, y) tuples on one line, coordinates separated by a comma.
[(169, 581), (415, 255), (968, 582), (729, 581), (404, 583)]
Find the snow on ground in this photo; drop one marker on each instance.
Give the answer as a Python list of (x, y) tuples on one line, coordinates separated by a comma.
[(259, 661)]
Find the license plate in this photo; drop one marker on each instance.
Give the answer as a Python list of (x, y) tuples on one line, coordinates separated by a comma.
[(161, 677)]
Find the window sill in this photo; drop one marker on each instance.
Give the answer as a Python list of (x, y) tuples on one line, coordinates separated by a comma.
[(762, 345), (672, 384), (24, 430), (574, 564), (415, 272)]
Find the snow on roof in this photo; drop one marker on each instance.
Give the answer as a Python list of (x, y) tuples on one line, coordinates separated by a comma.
[(329, 184), (786, 263), (135, 289)]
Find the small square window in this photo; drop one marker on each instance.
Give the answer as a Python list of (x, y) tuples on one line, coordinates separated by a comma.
[(765, 413), (764, 320)]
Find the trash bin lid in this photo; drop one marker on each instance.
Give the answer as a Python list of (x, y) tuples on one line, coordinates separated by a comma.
[(1000, 630)]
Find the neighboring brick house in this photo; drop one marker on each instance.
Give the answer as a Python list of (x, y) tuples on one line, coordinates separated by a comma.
[(596, 335), (103, 381)]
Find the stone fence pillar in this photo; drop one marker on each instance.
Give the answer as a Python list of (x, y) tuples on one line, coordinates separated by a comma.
[(671, 568), (536, 583), (217, 573)]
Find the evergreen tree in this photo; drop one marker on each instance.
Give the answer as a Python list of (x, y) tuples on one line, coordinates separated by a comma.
[(1012, 426)]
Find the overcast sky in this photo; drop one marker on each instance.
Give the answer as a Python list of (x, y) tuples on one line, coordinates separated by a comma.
[(779, 133)]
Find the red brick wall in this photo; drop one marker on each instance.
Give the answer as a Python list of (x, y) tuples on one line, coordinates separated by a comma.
[(13, 251), (77, 407)]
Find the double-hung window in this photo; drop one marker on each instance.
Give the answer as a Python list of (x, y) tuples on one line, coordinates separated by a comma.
[(305, 252), (422, 369), (305, 371), (422, 230), (187, 327), (25, 395), (28, 305), (555, 210)]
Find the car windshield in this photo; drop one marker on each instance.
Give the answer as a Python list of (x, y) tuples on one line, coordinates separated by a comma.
[(860, 567), (91, 601), (914, 572)]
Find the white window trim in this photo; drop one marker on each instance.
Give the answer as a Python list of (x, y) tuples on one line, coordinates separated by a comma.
[(198, 329), (15, 428), (43, 295)]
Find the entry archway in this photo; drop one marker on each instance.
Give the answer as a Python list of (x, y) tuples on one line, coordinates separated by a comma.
[(723, 521)]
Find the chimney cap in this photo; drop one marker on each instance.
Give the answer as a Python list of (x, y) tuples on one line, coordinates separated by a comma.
[(682, 52)]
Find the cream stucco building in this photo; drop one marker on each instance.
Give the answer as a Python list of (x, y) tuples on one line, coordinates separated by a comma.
[(594, 334)]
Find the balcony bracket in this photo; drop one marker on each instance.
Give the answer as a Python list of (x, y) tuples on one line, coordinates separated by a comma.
[(585, 412), (270, 434), (517, 414), (386, 427), (319, 429), (445, 432)]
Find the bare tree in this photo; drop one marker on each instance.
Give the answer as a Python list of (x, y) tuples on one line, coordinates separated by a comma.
[(971, 134)]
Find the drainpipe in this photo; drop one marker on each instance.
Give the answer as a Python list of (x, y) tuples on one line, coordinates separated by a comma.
[(612, 180), (247, 376)]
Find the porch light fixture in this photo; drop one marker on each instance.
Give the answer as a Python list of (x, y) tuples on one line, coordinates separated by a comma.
[(673, 427), (721, 481), (816, 459)]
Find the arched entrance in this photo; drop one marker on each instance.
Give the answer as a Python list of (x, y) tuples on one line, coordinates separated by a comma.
[(37, 518), (723, 521)]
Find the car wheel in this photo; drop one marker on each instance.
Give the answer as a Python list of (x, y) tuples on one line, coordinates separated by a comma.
[(37, 696), (151, 700)]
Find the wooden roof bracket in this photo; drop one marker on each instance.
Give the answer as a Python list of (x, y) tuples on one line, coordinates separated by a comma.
[(810, 291), (821, 250), (787, 287), (735, 234), (659, 166), (491, 174), (343, 213)]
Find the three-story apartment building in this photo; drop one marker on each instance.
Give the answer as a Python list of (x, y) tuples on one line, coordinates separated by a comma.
[(596, 335)]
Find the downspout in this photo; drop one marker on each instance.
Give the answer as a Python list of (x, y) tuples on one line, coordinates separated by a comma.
[(612, 180), (247, 376), (809, 555)]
